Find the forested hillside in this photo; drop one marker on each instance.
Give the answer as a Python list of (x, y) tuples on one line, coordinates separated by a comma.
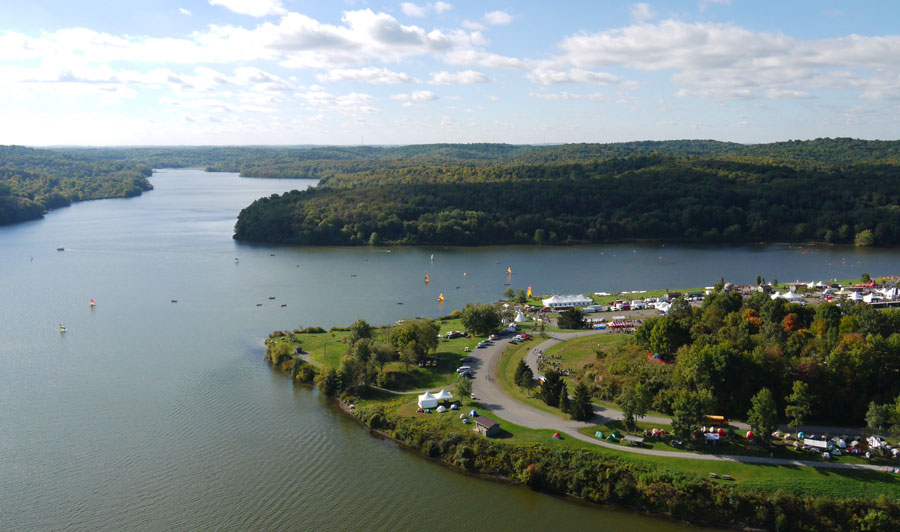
[(34, 181), (726, 198)]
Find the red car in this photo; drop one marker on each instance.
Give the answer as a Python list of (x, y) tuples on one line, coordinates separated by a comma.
[(525, 337)]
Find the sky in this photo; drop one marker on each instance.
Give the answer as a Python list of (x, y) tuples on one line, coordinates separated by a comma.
[(290, 72)]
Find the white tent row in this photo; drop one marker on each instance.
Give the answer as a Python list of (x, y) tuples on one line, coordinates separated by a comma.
[(790, 296), (429, 400)]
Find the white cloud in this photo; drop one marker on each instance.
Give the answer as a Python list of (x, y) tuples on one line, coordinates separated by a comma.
[(573, 75), (466, 77), (498, 18), (351, 104), (412, 10), (706, 3), (366, 75), (474, 26), (642, 12), (415, 96), (254, 8), (567, 96), (184, 11), (784, 94), (483, 59)]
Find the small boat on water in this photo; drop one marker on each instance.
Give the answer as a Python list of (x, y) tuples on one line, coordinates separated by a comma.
[(174, 301), (93, 303), (283, 305), (60, 248), (271, 297), (259, 304), (62, 328)]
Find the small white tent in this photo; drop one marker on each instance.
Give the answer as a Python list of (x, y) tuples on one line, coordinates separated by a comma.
[(426, 400), (520, 317)]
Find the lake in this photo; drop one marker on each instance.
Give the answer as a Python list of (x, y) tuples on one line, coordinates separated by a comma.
[(153, 415)]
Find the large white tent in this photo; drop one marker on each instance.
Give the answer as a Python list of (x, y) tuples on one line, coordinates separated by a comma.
[(519, 317), (426, 400), (443, 395)]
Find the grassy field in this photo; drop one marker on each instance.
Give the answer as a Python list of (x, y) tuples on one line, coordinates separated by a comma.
[(506, 370)]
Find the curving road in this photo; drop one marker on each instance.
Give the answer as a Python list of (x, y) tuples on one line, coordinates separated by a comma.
[(492, 397)]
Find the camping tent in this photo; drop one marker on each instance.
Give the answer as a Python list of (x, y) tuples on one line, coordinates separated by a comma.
[(473, 413), (426, 400), (519, 317), (441, 409), (443, 395)]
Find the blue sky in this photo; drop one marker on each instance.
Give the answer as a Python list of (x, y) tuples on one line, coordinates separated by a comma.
[(329, 72)]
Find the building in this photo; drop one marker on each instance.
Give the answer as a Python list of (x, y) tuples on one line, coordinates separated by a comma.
[(487, 427), (564, 302)]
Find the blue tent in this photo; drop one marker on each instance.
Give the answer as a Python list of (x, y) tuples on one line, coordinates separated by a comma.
[(473, 413)]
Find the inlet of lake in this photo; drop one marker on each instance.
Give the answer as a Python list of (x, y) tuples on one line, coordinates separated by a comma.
[(149, 414)]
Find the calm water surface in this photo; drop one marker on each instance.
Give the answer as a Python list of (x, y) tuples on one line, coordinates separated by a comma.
[(152, 415)]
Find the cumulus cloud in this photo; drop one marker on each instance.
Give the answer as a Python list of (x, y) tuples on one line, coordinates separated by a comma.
[(415, 96), (372, 75), (352, 103), (184, 11), (466, 77), (642, 12), (254, 8), (567, 96), (469, 57), (573, 75), (728, 61), (412, 10), (498, 18)]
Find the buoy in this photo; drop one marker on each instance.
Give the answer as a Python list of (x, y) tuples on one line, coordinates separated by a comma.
[(427, 278), (236, 259), (529, 290), (508, 271), (93, 303), (441, 298)]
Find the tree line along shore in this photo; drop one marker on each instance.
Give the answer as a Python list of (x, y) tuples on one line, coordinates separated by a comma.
[(738, 356)]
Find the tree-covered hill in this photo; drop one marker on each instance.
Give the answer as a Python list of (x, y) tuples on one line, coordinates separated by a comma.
[(33, 181), (733, 199)]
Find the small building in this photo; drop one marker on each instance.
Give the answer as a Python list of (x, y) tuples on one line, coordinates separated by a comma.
[(487, 427), (564, 302)]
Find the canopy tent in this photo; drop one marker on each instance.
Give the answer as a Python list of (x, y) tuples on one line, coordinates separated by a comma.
[(790, 296), (426, 400), (443, 395), (519, 317)]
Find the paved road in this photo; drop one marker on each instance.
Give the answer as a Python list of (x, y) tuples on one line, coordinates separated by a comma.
[(491, 395)]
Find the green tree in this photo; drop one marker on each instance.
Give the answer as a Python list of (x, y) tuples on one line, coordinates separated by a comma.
[(359, 330), (523, 376), (634, 402), (463, 387), (521, 296), (409, 354), (564, 404), (688, 409), (421, 334), (878, 416), (550, 387), (799, 405), (581, 408), (509, 293), (382, 353), (864, 238), (667, 336), (480, 318), (865, 278), (329, 382), (571, 319), (539, 236), (763, 415)]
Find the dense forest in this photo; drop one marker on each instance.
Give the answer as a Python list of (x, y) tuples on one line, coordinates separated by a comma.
[(35, 181), (809, 194)]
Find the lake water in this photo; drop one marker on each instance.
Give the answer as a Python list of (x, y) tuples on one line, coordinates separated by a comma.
[(153, 415)]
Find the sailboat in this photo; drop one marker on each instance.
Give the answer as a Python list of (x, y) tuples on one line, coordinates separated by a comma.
[(93, 303), (432, 257), (62, 328)]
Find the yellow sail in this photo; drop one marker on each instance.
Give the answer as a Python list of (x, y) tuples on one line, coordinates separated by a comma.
[(441, 298), (529, 290)]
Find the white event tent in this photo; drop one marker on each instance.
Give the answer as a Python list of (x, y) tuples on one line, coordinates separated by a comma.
[(426, 400)]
